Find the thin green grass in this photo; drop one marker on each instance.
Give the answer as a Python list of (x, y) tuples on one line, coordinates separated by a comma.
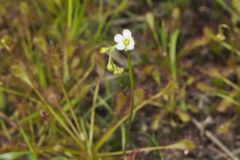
[(55, 43)]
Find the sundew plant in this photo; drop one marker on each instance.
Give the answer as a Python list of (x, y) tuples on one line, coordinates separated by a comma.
[(119, 79), (126, 43)]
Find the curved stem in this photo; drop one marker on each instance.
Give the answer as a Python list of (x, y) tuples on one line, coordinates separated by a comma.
[(130, 71), (114, 127)]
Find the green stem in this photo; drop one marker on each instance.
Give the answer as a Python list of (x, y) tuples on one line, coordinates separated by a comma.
[(70, 13), (110, 130), (130, 71)]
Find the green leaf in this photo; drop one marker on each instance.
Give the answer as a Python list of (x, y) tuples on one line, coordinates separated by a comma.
[(150, 21), (2, 100), (27, 141), (13, 155), (20, 72), (226, 126), (103, 50), (173, 52), (184, 116), (183, 145)]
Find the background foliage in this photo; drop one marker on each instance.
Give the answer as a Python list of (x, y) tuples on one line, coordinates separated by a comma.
[(58, 102)]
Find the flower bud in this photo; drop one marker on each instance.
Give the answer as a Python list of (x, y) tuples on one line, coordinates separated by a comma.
[(104, 50)]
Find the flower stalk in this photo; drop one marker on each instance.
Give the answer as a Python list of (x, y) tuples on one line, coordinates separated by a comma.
[(130, 72), (124, 42)]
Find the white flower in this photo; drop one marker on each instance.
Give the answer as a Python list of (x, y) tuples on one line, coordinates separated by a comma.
[(124, 41)]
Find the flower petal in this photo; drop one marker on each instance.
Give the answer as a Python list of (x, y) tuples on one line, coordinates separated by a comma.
[(120, 46), (118, 38), (131, 44), (132, 40), (127, 33)]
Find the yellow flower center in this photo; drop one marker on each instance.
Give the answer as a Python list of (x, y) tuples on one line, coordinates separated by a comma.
[(126, 42)]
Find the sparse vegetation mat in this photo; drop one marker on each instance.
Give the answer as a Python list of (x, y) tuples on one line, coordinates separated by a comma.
[(119, 79)]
